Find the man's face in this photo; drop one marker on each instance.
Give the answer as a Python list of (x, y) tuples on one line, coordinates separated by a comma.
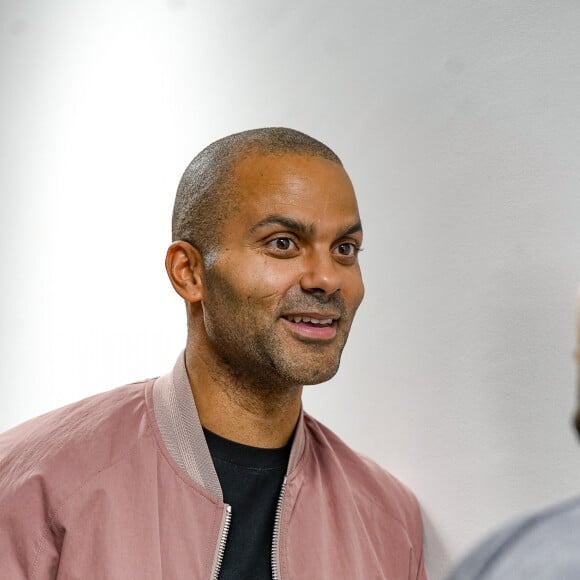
[(281, 296)]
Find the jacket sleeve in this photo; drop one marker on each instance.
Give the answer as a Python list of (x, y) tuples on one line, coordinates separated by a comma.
[(421, 574), (419, 571), (24, 557), (28, 547)]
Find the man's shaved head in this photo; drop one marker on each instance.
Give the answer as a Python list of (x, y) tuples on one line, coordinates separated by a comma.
[(206, 194)]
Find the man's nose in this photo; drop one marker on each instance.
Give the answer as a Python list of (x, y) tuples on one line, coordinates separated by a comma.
[(322, 275)]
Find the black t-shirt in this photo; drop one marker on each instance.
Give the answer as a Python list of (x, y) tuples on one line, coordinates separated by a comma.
[(251, 479)]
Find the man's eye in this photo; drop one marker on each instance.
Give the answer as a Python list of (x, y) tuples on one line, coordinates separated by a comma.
[(347, 249), (282, 244)]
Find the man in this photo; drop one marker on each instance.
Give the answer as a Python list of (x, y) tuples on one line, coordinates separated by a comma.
[(543, 546), (213, 470)]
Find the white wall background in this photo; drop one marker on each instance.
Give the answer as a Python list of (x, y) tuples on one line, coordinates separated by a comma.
[(459, 122)]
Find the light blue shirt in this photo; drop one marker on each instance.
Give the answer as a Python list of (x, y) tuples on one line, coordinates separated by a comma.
[(544, 546)]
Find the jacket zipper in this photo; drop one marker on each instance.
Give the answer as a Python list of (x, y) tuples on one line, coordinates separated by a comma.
[(276, 534), (222, 544), (275, 537)]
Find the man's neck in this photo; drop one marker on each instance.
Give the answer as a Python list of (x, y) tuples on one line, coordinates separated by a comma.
[(245, 413)]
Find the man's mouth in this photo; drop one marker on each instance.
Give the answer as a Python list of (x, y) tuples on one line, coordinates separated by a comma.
[(312, 326), (310, 320)]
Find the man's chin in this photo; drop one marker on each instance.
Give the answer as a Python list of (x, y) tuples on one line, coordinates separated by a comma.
[(313, 369), (315, 376)]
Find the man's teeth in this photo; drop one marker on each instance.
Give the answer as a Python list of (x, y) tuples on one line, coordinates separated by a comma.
[(309, 319)]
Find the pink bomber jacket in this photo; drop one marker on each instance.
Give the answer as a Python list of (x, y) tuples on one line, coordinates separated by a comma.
[(121, 486)]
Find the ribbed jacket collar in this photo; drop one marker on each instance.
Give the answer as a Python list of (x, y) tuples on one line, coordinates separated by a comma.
[(182, 434)]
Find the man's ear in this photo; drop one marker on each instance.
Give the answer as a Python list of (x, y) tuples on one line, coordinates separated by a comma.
[(184, 266)]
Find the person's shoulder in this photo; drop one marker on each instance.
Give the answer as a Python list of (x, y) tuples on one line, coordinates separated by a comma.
[(541, 545), (366, 478), (63, 446)]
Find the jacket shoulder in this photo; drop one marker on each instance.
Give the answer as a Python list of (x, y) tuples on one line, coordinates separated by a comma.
[(367, 481), (60, 449), (51, 460)]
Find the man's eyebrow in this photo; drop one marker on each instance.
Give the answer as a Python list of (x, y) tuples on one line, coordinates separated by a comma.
[(354, 229), (290, 223), (297, 226)]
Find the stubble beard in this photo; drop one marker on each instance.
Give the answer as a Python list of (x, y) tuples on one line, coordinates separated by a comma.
[(263, 364), (259, 359)]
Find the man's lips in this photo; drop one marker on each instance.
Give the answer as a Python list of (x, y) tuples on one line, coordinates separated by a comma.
[(313, 325)]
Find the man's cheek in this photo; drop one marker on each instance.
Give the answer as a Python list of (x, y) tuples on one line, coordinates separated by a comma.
[(270, 286), (267, 297)]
